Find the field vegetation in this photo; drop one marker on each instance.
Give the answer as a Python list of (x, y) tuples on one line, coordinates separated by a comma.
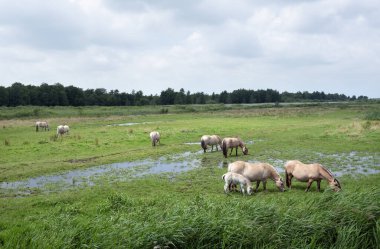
[(190, 209)]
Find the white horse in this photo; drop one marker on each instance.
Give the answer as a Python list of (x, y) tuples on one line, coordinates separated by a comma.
[(154, 137), (43, 124), (309, 173), (257, 172), (62, 129), (211, 140), (231, 178), (66, 128), (233, 142)]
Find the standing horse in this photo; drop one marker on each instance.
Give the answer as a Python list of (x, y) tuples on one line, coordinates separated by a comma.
[(154, 137), (232, 142), (309, 173), (257, 172), (211, 140), (42, 124), (62, 129)]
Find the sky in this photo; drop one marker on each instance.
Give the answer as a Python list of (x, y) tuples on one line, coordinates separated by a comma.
[(200, 45)]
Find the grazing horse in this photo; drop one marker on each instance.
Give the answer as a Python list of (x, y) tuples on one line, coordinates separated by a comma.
[(62, 129), (309, 173), (233, 142), (211, 140), (154, 137), (257, 172), (42, 124)]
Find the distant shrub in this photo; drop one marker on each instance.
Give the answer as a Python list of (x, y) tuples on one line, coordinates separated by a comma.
[(36, 112), (164, 110), (7, 142), (373, 115)]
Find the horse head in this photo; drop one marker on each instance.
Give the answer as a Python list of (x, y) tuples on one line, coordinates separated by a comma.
[(335, 185), (245, 150), (280, 184)]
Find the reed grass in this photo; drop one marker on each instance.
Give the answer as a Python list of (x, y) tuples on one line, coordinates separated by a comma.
[(169, 214)]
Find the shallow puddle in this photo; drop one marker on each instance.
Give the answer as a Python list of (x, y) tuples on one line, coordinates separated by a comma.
[(353, 163), (130, 124)]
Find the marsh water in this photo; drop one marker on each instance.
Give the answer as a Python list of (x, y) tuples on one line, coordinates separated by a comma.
[(353, 163)]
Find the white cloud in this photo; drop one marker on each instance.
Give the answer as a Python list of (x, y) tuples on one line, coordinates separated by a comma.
[(203, 45)]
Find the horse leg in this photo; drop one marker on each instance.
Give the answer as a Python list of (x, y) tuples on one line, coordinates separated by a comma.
[(226, 188), (231, 150), (309, 184), (289, 177), (212, 147), (236, 148), (242, 188), (319, 185), (265, 185), (257, 185)]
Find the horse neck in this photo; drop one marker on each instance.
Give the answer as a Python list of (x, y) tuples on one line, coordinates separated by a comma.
[(326, 174), (241, 144), (274, 175)]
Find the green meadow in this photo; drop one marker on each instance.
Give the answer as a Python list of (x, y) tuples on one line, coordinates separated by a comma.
[(188, 208)]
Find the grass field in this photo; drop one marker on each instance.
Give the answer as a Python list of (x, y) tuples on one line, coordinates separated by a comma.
[(189, 209)]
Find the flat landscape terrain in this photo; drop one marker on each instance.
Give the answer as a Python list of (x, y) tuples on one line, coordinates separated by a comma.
[(103, 185)]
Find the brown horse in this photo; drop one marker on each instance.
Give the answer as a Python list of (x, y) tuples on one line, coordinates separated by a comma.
[(309, 173), (233, 142), (210, 140)]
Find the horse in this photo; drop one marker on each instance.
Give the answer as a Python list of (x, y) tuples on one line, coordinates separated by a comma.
[(62, 129), (257, 172), (42, 124), (232, 142), (66, 128), (154, 137), (309, 173), (233, 178), (211, 140)]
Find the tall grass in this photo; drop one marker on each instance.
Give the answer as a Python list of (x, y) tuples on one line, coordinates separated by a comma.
[(294, 219)]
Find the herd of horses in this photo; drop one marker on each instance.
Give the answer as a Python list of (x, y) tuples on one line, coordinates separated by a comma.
[(61, 129), (244, 173), (260, 172)]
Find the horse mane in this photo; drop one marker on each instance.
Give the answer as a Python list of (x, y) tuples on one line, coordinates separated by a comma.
[(327, 170)]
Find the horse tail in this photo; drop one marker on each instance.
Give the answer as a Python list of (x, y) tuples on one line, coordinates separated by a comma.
[(224, 148), (204, 146)]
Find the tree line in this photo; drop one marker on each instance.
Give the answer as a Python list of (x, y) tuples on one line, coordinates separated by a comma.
[(19, 94)]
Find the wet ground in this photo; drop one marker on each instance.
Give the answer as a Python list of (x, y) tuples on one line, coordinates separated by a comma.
[(353, 163)]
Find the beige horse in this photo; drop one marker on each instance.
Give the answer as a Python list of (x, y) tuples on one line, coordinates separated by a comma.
[(233, 142), (309, 173), (258, 172), (154, 137), (211, 140), (43, 124)]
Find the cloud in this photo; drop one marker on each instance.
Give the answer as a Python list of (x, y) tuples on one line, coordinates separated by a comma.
[(202, 45)]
